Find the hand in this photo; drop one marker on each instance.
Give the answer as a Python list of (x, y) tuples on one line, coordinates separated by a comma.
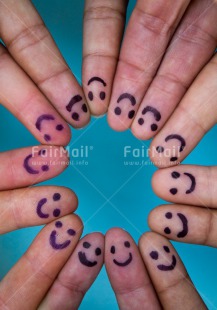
[(165, 47), (77, 275), (154, 279), (193, 218), (27, 283), (35, 206), (194, 116), (36, 84)]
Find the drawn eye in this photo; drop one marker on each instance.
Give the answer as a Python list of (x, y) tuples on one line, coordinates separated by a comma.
[(90, 95), (86, 245), (113, 249), (102, 95), (166, 249), (127, 244), (98, 251)]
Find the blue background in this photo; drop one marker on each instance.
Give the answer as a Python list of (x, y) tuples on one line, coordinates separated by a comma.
[(104, 174)]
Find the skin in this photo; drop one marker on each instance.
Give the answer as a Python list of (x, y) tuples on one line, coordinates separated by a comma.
[(131, 284), (191, 121), (157, 75), (18, 45), (15, 175), (172, 287), (141, 285), (102, 19), (43, 86), (15, 206), (199, 207), (41, 264), (75, 279), (38, 268)]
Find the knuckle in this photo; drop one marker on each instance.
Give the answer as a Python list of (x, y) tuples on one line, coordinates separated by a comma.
[(100, 54), (194, 34), (154, 24), (209, 229), (167, 82), (70, 286), (28, 37), (103, 13)]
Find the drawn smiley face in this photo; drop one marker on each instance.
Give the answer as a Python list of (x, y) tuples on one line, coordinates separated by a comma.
[(156, 114), (132, 100), (54, 236), (160, 149), (183, 233), (39, 210), (176, 175), (47, 118), (74, 102), (102, 94), (29, 167), (126, 261), (82, 256), (155, 256)]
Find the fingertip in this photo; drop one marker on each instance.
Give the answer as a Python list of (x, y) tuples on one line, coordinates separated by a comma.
[(84, 123), (140, 132), (115, 232), (91, 246), (64, 139), (98, 110), (73, 219), (77, 112), (59, 157), (115, 122), (77, 222), (156, 154), (151, 217), (96, 238), (97, 106), (54, 202), (156, 181), (71, 199), (98, 235), (156, 220), (146, 239)]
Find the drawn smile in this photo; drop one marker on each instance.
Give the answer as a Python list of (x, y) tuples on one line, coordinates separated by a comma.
[(184, 221), (183, 233), (127, 262), (83, 260), (170, 267), (193, 183), (55, 245)]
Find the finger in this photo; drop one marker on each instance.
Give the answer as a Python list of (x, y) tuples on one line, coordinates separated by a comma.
[(185, 224), (187, 184), (32, 46), (77, 275), (103, 30), (34, 206), (26, 100), (190, 121), (195, 39), (29, 166), (150, 28), (168, 274), (40, 265), (127, 273)]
